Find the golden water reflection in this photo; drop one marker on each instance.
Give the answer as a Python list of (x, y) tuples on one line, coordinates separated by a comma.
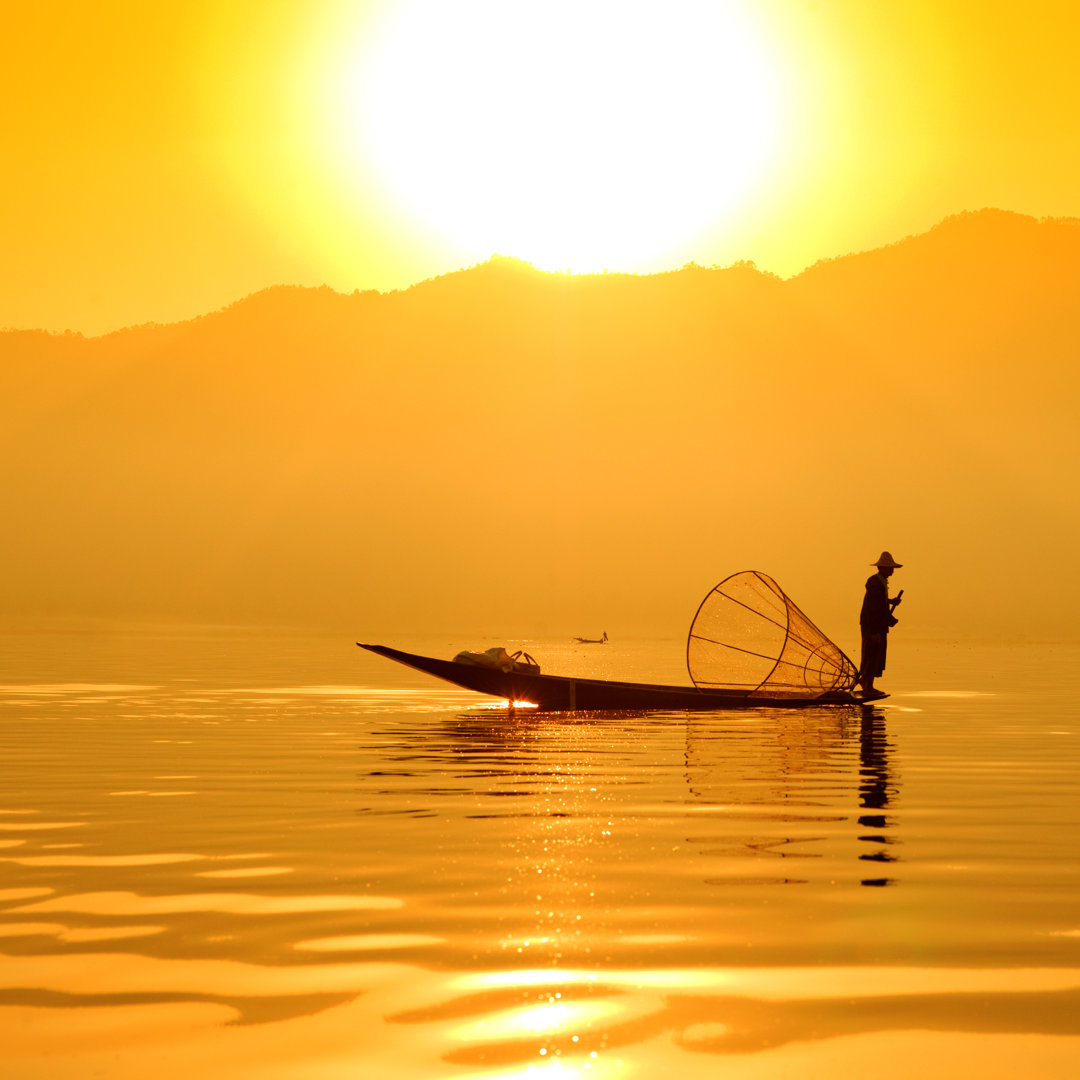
[(377, 884), (778, 807), (126, 903), (740, 1011), (493, 1021)]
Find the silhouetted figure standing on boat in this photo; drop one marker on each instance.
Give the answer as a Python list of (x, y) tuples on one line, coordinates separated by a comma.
[(875, 620)]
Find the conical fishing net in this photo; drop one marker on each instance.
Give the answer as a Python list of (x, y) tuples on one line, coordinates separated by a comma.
[(748, 635)]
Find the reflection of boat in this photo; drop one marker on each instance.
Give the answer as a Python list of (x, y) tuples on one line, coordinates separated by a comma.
[(749, 645), (763, 774), (562, 693), (601, 640)]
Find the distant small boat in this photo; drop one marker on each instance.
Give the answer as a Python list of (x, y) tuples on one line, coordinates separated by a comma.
[(602, 640), (749, 647)]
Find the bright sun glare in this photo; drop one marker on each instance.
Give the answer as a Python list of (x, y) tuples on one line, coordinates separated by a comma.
[(575, 134)]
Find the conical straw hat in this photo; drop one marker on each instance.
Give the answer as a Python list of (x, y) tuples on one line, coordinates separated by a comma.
[(885, 559)]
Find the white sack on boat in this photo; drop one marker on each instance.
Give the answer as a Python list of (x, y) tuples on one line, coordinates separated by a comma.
[(499, 658)]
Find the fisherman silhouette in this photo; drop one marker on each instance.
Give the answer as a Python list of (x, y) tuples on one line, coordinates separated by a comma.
[(875, 620)]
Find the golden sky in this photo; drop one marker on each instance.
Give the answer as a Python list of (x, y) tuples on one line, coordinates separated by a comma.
[(161, 161)]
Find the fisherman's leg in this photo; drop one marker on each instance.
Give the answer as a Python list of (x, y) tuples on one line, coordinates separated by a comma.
[(866, 663), (872, 660)]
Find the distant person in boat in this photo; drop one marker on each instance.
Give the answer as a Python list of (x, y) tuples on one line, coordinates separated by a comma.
[(875, 620)]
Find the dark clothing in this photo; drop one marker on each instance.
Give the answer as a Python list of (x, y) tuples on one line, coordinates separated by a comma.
[(872, 661), (875, 618), (876, 615)]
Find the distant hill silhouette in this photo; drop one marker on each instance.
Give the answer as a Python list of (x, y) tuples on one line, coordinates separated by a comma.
[(505, 449)]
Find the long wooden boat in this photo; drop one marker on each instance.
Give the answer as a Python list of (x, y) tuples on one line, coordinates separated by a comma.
[(567, 694)]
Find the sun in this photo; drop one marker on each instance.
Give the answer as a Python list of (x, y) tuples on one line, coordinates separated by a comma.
[(574, 134)]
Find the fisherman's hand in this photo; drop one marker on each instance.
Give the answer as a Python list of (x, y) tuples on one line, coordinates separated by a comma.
[(892, 621)]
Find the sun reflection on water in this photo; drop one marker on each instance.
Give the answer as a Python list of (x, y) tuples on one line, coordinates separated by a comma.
[(675, 889)]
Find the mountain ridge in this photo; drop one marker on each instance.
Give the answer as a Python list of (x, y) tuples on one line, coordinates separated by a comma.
[(501, 447), (980, 229)]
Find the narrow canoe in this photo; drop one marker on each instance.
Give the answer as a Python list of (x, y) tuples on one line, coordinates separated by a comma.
[(560, 693)]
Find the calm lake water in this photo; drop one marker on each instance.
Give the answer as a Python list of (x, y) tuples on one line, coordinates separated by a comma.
[(239, 856)]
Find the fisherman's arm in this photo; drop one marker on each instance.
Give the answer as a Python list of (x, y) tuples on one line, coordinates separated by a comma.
[(892, 607)]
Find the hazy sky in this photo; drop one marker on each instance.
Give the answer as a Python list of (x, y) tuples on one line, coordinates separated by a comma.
[(161, 161)]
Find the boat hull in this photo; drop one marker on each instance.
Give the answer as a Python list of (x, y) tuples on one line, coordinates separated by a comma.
[(559, 693)]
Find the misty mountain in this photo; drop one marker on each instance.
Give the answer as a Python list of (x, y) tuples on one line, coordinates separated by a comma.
[(508, 450)]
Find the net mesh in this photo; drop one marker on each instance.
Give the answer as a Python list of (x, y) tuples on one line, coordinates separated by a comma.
[(748, 635)]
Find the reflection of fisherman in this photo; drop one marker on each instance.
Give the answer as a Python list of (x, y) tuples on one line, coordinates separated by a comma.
[(875, 619)]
